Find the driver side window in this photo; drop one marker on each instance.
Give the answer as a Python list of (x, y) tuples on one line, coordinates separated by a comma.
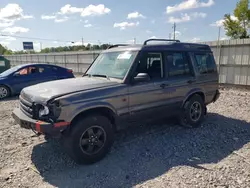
[(28, 70), (151, 63)]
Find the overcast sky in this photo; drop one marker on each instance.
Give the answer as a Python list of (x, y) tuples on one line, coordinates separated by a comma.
[(109, 21)]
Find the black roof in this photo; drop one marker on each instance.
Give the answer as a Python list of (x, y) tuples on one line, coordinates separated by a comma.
[(167, 45)]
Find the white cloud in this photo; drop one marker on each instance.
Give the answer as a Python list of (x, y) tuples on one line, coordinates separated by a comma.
[(186, 17), (48, 17), (91, 10), (183, 18), (88, 25), (219, 23), (68, 9), (124, 25), (6, 23), (194, 40), (86, 21), (153, 37), (134, 15), (59, 20), (10, 14), (4, 43), (188, 4), (13, 12), (15, 30), (7, 38)]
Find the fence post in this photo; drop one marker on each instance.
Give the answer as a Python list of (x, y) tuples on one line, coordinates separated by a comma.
[(65, 63), (77, 61), (219, 65), (248, 68)]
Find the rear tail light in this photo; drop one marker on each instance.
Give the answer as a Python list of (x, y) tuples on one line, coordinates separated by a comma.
[(70, 70)]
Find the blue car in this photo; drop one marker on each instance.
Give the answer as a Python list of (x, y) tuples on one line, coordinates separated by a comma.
[(13, 80)]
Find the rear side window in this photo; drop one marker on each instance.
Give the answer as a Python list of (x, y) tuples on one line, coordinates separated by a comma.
[(177, 64), (205, 63)]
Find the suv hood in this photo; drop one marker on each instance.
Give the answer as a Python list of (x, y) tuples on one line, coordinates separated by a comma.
[(43, 92)]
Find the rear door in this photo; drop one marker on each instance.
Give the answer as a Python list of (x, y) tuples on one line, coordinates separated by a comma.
[(207, 76), (179, 79), (45, 74)]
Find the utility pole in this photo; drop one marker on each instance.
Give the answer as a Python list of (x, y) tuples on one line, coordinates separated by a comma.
[(219, 35), (174, 30), (134, 40)]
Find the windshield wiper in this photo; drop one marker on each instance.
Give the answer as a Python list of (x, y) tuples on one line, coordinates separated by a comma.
[(86, 75), (100, 75)]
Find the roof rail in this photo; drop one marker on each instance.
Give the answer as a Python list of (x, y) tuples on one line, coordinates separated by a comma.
[(167, 40), (117, 45)]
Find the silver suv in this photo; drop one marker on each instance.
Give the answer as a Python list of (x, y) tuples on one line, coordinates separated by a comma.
[(125, 85)]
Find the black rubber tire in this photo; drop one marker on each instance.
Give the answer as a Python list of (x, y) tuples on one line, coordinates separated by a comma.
[(72, 138), (185, 119), (8, 90)]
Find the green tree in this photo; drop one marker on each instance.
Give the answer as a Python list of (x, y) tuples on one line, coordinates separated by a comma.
[(237, 26), (5, 51)]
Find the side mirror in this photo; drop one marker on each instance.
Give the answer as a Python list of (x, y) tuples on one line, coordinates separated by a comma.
[(142, 77), (16, 74)]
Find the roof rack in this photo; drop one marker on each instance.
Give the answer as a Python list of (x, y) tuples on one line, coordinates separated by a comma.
[(167, 40), (117, 45)]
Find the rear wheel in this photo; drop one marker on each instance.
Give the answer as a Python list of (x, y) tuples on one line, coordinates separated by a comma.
[(90, 139), (4, 92), (193, 112)]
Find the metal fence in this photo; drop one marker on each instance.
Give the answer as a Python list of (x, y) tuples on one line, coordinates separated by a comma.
[(77, 61), (232, 59)]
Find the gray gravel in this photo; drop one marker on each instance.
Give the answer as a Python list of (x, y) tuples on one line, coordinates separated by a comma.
[(163, 155)]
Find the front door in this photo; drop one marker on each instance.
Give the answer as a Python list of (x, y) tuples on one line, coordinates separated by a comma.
[(145, 98)]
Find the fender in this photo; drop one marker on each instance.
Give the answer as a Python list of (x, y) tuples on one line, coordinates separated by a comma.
[(192, 92), (90, 106)]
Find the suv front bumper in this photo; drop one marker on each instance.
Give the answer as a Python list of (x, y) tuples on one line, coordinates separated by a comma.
[(53, 129)]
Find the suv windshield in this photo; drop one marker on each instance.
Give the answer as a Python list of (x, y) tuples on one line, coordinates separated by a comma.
[(112, 64)]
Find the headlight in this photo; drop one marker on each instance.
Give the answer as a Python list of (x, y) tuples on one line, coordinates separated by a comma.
[(43, 111)]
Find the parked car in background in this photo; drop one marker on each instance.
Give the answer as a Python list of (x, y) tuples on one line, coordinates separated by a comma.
[(4, 64), (13, 80)]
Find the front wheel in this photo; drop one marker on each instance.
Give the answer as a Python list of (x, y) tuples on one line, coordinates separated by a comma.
[(90, 139), (193, 112), (4, 92)]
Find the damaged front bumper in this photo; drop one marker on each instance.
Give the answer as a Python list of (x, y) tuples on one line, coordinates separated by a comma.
[(41, 127)]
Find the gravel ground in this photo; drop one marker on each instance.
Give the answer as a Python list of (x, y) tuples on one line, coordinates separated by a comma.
[(214, 155)]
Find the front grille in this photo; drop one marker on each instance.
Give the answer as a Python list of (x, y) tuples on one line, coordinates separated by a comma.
[(26, 107)]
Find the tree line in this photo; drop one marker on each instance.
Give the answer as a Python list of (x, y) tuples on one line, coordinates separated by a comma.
[(5, 51)]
